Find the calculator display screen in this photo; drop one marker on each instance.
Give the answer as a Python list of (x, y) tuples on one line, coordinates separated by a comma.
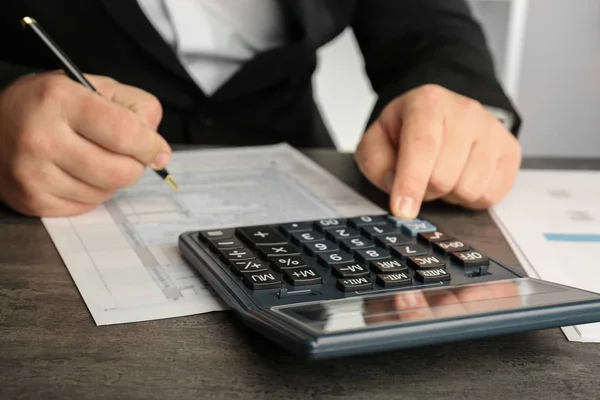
[(401, 307)]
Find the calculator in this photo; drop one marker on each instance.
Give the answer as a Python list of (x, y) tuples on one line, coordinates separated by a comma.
[(348, 286)]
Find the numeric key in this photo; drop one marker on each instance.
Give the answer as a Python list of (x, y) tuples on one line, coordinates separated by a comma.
[(336, 257), (326, 224), (304, 237), (342, 233), (386, 241), (351, 245), (367, 220), (407, 250), (372, 255), (374, 231), (314, 248)]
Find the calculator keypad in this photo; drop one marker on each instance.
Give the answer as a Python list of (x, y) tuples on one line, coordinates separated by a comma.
[(353, 255)]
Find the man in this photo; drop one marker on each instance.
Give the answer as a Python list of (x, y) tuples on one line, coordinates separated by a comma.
[(239, 72)]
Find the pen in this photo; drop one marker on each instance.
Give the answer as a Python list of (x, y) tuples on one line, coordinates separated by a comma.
[(74, 73)]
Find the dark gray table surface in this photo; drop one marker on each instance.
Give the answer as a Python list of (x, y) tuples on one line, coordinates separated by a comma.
[(50, 347)]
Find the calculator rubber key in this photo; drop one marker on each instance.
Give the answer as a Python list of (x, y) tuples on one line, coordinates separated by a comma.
[(260, 235), (432, 275), (294, 227), (416, 226), (252, 266), (426, 262), (262, 280), (351, 245), (388, 266), (450, 246), (302, 276), (267, 251), (367, 220), (473, 262), (287, 262), (407, 250), (393, 280), (305, 237), (225, 244), (354, 284), (348, 270), (314, 248), (215, 234), (386, 241), (375, 254), (335, 257), (243, 254), (324, 225), (342, 233), (433, 237), (377, 230)]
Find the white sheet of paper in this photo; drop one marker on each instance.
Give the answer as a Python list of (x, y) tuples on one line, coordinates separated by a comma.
[(123, 256), (551, 219)]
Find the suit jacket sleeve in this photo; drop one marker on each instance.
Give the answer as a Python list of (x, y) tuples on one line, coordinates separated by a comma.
[(410, 43)]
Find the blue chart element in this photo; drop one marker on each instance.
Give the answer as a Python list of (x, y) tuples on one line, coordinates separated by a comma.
[(572, 237)]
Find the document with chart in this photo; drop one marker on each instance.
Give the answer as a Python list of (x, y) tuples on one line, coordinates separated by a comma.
[(123, 256), (552, 221)]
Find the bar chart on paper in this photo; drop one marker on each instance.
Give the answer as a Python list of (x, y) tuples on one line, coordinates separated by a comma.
[(551, 219)]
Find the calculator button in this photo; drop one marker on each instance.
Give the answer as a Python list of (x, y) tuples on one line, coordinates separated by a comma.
[(326, 224), (388, 266), (242, 254), (252, 266), (469, 258), (450, 246), (287, 262), (432, 275), (310, 236), (393, 280), (215, 234), (348, 270), (391, 240), (262, 280), (377, 230), (277, 250), (342, 233), (426, 262), (225, 244), (354, 284), (302, 276), (356, 244), (372, 255), (407, 250), (258, 235), (336, 257), (367, 220), (433, 237), (294, 227), (416, 226), (314, 248)]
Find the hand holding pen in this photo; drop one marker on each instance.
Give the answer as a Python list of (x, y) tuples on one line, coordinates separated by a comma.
[(64, 149)]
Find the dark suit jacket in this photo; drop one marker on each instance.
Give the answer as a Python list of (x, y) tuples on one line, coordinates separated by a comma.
[(405, 44)]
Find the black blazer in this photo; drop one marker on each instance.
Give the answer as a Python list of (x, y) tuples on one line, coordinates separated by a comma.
[(405, 44)]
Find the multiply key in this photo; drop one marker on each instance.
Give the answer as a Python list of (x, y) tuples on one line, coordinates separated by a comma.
[(258, 235), (277, 250), (388, 266), (425, 262)]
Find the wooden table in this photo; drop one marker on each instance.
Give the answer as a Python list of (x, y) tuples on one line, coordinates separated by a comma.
[(50, 347)]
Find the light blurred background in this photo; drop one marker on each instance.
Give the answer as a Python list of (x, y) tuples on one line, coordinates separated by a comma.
[(547, 55)]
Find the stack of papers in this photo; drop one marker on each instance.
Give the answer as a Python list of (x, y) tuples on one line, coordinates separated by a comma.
[(124, 257), (551, 219)]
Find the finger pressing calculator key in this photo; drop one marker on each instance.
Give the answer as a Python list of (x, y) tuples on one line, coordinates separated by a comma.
[(343, 286)]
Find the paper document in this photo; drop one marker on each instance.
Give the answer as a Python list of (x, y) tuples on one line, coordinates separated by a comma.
[(551, 219), (123, 256)]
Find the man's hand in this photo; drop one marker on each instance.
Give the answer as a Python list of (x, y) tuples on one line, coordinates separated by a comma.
[(432, 143), (65, 149)]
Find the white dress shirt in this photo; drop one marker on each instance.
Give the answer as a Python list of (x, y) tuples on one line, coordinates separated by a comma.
[(213, 38)]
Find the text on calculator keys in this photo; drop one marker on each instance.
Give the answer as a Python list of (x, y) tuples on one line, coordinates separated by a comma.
[(354, 284), (261, 280), (433, 237), (302, 276), (432, 275), (356, 244), (366, 220), (336, 257), (372, 255), (287, 262), (391, 240), (277, 250), (303, 237), (342, 233), (373, 231), (393, 280), (407, 250), (226, 244), (216, 234), (251, 266), (426, 262), (314, 248), (348, 270), (326, 224), (450, 246), (261, 235), (388, 266), (234, 255), (293, 227)]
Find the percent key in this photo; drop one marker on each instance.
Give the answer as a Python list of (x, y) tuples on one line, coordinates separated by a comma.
[(287, 262)]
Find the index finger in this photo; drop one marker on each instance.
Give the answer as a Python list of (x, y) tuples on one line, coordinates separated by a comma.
[(419, 146), (118, 129)]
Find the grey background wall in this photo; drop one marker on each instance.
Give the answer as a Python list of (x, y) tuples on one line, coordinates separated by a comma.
[(558, 89)]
